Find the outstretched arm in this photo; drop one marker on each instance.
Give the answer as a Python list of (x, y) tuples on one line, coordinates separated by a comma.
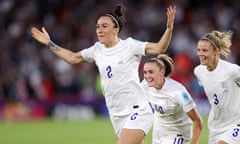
[(197, 125), (162, 45), (67, 55)]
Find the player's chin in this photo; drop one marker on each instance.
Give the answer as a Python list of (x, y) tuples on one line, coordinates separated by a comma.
[(150, 84), (203, 62), (101, 40)]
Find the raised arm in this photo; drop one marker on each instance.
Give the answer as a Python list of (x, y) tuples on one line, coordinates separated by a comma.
[(65, 54), (162, 45), (197, 125)]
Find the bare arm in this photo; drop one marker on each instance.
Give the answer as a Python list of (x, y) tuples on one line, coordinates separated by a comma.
[(197, 125), (162, 45), (65, 54)]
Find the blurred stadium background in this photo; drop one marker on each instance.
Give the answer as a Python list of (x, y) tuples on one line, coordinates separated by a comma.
[(36, 85)]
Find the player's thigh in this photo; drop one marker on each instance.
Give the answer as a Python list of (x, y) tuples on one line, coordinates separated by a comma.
[(137, 120), (141, 120), (222, 142), (118, 123), (131, 136), (136, 126)]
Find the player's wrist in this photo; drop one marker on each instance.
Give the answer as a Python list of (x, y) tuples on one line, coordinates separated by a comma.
[(52, 45)]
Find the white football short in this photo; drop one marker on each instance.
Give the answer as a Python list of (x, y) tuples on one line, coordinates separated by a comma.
[(138, 119), (231, 136), (159, 137)]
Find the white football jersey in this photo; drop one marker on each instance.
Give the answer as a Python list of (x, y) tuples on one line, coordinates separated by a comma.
[(222, 87), (171, 104), (118, 68)]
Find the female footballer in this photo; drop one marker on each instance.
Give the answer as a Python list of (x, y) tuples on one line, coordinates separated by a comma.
[(176, 119), (220, 80), (117, 61)]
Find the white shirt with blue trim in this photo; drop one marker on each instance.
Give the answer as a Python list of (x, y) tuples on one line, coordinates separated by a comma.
[(118, 68)]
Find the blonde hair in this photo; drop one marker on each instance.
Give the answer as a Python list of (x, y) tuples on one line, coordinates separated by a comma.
[(220, 40), (164, 62)]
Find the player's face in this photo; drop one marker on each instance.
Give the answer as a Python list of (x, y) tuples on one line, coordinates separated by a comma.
[(106, 31), (153, 75), (206, 53)]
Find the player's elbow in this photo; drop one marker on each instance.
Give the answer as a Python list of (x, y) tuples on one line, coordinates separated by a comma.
[(155, 49), (199, 122), (74, 59)]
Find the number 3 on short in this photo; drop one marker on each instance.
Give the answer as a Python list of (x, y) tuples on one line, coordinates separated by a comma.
[(215, 99), (236, 132)]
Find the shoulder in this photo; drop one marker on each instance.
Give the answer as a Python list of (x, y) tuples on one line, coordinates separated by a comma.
[(90, 51), (199, 69), (226, 64), (174, 85), (225, 67), (96, 47), (178, 90), (133, 41), (229, 68), (130, 39), (135, 47)]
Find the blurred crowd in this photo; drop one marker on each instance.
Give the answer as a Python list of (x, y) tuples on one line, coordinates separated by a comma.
[(29, 72)]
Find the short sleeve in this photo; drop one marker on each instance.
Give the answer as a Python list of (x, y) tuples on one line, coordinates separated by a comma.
[(188, 103), (88, 54), (136, 46), (186, 100)]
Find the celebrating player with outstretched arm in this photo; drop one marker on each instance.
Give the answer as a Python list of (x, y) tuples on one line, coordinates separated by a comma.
[(117, 61)]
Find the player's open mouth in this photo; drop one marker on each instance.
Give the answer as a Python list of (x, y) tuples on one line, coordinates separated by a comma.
[(149, 80), (202, 58)]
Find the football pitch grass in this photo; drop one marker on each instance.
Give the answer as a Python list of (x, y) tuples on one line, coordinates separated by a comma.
[(96, 131)]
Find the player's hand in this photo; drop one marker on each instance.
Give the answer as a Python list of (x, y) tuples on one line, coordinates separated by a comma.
[(40, 36), (171, 12)]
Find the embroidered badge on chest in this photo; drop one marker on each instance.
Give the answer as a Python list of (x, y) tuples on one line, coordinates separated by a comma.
[(225, 87)]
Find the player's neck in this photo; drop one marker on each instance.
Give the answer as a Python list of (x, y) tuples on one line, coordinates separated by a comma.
[(213, 65), (112, 43)]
